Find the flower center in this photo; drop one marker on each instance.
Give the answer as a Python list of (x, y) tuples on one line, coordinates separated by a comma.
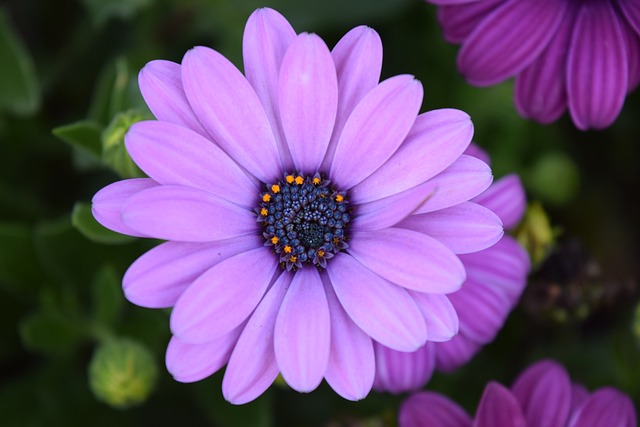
[(304, 220)]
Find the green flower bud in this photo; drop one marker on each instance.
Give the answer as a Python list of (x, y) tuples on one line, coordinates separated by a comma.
[(535, 233), (114, 153)]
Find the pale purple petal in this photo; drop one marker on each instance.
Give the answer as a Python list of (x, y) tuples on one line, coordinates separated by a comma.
[(631, 10), (409, 259), (440, 315), (499, 408), (158, 278), (308, 98), (452, 354), (192, 362), (173, 212), (435, 141), (303, 332), (398, 371), (106, 205), (506, 198), (267, 35), (172, 154), (375, 129), (161, 87), (429, 409), (231, 112), (497, 49), (352, 364), (202, 312), (467, 227), (606, 407), (459, 20), (597, 73), (365, 297), (478, 152), (252, 367)]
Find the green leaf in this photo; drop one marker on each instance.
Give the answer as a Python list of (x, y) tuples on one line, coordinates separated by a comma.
[(18, 269), (114, 153), (101, 11), (107, 297), (83, 135), (50, 332), (19, 89), (83, 220)]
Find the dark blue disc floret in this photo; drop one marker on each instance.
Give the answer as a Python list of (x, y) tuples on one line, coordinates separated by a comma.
[(304, 219)]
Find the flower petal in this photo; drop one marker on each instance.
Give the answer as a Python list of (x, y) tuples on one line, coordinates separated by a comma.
[(399, 371), (231, 112), (252, 367), (173, 212), (459, 20), (384, 311), (429, 409), (631, 10), (409, 259), (479, 153), (303, 332), (202, 313), (452, 354), (440, 315), (506, 199), (497, 49), (632, 41), (597, 73), (308, 96), (607, 406), (160, 276), (375, 129), (498, 408)]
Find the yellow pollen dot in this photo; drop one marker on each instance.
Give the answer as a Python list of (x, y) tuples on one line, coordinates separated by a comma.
[(339, 198), (316, 181), (293, 258), (289, 179), (336, 240), (264, 212), (287, 249), (299, 180), (320, 253), (275, 188), (274, 240), (266, 198)]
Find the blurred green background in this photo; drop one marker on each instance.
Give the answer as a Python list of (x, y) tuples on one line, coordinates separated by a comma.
[(73, 351)]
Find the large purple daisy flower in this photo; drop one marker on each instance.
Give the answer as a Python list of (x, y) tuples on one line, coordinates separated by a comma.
[(542, 396), (283, 195), (496, 277), (580, 55)]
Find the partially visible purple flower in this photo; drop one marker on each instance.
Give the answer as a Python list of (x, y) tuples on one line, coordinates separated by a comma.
[(496, 277), (580, 55), (542, 396)]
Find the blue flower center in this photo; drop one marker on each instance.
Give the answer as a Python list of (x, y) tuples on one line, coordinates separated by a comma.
[(304, 219)]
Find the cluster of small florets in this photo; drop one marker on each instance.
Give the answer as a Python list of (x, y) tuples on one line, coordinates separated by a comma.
[(304, 220)]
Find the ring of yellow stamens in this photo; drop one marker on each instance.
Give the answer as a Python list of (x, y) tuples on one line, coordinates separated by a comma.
[(289, 179), (299, 180), (339, 198), (266, 197), (264, 212), (288, 249), (275, 188), (275, 240)]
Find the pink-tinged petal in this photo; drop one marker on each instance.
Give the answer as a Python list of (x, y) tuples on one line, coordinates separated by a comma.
[(429, 409), (632, 41), (172, 154), (459, 20), (476, 151), (497, 49), (506, 198), (435, 141), (606, 407), (579, 395), (352, 364), (106, 205), (202, 313), (252, 367), (467, 227), (186, 214), (463, 180), (358, 61), (192, 362), (308, 96), (409, 259), (544, 392), (440, 315), (161, 87), (303, 332), (631, 11), (499, 408), (231, 112), (398, 371), (160, 276), (452, 354), (384, 311), (597, 71), (375, 129), (267, 35)]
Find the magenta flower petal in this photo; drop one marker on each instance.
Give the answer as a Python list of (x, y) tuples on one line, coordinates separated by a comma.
[(467, 227), (106, 205), (303, 332), (446, 132), (597, 72), (632, 41), (252, 367), (361, 292), (429, 409), (497, 49), (173, 212), (161, 275), (308, 96), (375, 129), (202, 313), (606, 407), (161, 87), (459, 19), (171, 154), (452, 2), (631, 10), (391, 253), (506, 198), (351, 366), (398, 371), (267, 36), (207, 76), (452, 354), (440, 315), (499, 408)]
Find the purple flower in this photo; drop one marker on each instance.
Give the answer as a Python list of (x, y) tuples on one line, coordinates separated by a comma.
[(580, 55), (496, 277), (309, 210), (542, 396)]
